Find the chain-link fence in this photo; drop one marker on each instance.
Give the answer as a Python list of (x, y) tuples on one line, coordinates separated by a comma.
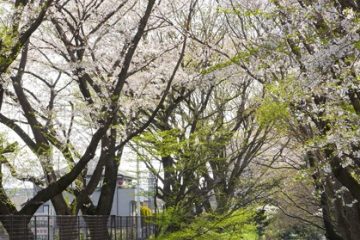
[(13, 227)]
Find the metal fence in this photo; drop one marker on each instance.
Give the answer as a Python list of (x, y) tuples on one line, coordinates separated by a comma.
[(14, 227)]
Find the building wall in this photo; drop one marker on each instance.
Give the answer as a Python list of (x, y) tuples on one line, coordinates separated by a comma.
[(122, 203)]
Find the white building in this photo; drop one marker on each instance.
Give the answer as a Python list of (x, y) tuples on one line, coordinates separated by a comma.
[(124, 202)]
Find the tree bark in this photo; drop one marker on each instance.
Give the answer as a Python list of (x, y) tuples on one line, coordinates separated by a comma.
[(329, 227), (17, 227)]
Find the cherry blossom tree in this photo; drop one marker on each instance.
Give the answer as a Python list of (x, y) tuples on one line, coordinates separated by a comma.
[(306, 55), (205, 146), (18, 23), (52, 119), (217, 91)]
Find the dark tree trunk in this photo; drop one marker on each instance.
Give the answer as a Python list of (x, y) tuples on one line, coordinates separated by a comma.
[(329, 227), (168, 165), (17, 227), (68, 227), (329, 224), (98, 227), (66, 222), (346, 212), (110, 176)]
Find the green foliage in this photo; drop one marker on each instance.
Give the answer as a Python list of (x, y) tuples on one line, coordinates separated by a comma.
[(173, 142), (274, 108), (245, 12), (272, 112), (242, 56), (7, 39), (240, 224), (7, 148), (164, 143), (293, 232)]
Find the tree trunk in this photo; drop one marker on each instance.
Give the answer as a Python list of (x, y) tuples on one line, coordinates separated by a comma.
[(347, 213), (329, 227), (68, 227), (17, 227), (168, 165), (325, 203), (98, 227), (66, 222)]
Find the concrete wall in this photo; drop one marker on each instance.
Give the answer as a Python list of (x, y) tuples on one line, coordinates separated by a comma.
[(123, 198)]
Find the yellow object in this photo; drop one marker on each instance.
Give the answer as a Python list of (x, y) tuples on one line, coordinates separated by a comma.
[(145, 211)]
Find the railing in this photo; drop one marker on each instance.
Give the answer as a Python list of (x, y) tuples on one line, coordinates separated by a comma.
[(15, 227)]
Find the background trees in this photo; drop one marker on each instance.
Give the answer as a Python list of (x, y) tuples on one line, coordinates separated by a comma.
[(205, 145), (48, 132), (92, 88), (307, 59)]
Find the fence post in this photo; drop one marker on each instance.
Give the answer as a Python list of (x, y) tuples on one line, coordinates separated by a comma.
[(137, 226), (78, 224), (25, 228), (48, 225), (35, 227), (12, 225), (85, 228), (116, 227), (110, 218), (121, 228), (126, 227), (113, 226), (146, 224)]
